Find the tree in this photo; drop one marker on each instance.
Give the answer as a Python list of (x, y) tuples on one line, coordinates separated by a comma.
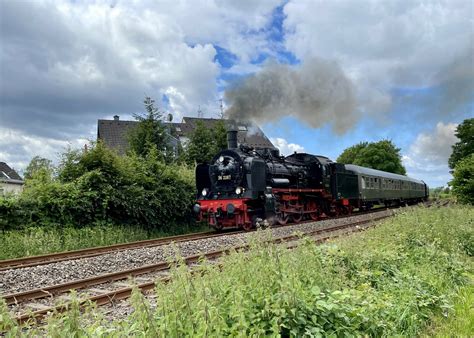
[(465, 146), (149, 132), (463, 180), (350, 154), (201, 147), (382, 155), (220, 136), (39, 166)]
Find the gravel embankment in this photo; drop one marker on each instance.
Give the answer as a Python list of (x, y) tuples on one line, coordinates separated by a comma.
[(17, 280)]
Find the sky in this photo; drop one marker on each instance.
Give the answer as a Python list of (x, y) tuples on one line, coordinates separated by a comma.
[(347, 71)]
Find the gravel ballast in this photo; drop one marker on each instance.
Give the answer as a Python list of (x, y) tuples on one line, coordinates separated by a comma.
[(17, 280)]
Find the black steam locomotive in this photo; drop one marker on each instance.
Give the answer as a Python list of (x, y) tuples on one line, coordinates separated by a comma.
[(243, 186)]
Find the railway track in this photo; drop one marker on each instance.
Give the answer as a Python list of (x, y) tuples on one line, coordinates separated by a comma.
[(24, 262), (104, 289)]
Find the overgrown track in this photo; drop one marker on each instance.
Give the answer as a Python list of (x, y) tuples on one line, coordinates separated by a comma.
[(115, 289)]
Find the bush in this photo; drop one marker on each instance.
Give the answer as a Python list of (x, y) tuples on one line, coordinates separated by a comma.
[(99, 186), (463, 180)]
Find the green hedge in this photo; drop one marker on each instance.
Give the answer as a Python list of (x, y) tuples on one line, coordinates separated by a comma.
[(97, 185)]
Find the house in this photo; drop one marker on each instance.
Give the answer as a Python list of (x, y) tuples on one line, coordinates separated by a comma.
[(114, 133), (10, 181)]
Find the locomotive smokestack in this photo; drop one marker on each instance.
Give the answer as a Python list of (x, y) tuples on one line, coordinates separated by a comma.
[(231, 138)]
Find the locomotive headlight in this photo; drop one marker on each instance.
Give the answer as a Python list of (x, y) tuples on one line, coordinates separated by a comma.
[(239, 190), (204, 192), (221, 159)]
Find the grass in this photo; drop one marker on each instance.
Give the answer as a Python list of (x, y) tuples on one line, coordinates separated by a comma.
[(460, 320), (399, 279), (42, 240)]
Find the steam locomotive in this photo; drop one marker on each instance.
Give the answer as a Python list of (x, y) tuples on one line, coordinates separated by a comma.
[(243, 186)]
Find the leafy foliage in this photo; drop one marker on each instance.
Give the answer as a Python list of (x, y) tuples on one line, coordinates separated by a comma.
[(220, 136), (382, 155), (463, 180), (349, 155), (465, 146), (99, 186), (205, 143), (150, 132), (39, 166)]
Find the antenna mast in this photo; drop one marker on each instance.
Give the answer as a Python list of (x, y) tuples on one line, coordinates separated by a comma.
[(200, 113)]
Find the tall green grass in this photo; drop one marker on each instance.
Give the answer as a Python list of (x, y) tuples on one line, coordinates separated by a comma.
[(43, 240), (388, 281)]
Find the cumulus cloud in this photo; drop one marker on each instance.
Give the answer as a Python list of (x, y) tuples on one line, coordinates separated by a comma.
[(427, 157), (285, 147), (18, 148), (388, 45), (66, 64)]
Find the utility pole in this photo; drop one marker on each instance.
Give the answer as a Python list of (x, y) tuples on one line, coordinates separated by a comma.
[(221, 106)]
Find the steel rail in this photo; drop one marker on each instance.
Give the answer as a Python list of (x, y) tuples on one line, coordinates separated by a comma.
[(23, 262), (17, 263), (125, 292)]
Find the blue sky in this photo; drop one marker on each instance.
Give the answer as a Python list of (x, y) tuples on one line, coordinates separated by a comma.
[(409, 63)]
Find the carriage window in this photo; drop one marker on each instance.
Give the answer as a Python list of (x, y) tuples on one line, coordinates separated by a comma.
[(363, 182)]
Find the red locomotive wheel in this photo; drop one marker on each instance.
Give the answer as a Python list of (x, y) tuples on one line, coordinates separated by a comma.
[(314, 216)]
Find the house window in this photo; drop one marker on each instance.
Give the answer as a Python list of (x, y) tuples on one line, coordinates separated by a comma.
[(242, 128), (178, 129)]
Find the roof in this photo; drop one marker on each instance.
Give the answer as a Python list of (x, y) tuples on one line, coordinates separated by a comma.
[(114, 133), (8, 174), (373, 172), (248, 133)]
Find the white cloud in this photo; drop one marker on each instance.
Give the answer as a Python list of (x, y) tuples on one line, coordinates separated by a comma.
[(385, 45), (19, 148), (285, 147), (428, 155), (66, 64)]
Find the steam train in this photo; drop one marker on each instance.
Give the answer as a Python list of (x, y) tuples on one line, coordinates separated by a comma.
[(243, 186)]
